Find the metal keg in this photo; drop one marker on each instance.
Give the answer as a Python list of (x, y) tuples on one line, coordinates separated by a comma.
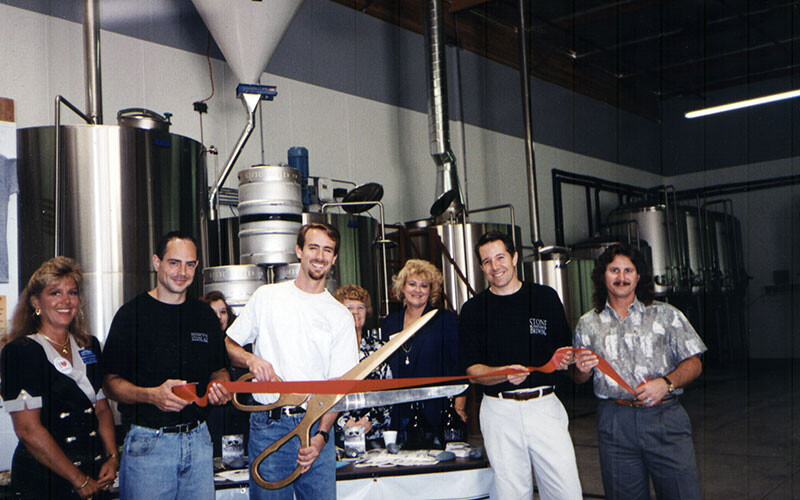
[(270, 214), (237, 283)]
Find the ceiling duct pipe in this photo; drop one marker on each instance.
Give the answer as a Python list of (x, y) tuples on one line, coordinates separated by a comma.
[(91, 53), (438, 118), (533, 205)]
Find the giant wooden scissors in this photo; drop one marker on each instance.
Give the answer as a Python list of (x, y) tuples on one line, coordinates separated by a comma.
[(319, 404)]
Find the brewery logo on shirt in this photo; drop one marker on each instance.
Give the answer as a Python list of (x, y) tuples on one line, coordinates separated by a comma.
[(538, 326), (63, 366), (199, 337)]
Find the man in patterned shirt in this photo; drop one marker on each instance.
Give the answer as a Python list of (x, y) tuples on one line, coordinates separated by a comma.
[(655, 349)]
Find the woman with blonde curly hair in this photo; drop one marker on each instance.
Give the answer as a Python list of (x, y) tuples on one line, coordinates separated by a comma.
[(51, 384), (433, 351)]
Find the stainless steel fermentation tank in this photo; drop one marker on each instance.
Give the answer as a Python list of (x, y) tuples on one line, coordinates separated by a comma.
[(121, 188), (450, 247), (656, 225)]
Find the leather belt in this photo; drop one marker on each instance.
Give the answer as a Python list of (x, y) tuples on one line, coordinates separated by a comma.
[(635, 403), (277, 413), (527, 395), (180, 428)]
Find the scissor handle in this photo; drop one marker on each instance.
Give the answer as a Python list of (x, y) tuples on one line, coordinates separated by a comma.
[(283, 400), (316, 408), (302, 431)]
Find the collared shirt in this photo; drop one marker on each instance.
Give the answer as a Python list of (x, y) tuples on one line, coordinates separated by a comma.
[(649, 343)]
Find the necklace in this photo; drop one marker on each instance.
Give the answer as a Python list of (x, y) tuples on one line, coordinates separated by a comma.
[(406, 350), (63, 346)]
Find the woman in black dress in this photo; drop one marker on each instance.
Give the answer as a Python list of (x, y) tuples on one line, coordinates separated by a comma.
[(433, 350), (51, 384)]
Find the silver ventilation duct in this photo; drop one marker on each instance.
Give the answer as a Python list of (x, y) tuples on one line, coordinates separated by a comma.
[(438, 118)]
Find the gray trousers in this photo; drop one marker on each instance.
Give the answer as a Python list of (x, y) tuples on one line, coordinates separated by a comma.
[(639, 444)]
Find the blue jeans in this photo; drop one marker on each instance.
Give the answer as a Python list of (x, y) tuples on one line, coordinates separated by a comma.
[(156, 465), (640, 444), (317, 483)]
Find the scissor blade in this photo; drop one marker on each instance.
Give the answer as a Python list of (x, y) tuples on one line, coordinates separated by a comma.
[(358, 400)]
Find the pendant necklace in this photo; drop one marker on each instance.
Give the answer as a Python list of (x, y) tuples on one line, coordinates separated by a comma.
[(62, 347), (406, 350)]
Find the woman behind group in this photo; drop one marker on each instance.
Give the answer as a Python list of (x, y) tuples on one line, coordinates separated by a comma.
[(373, 420), (220, 306), (226, 419), (433, 350), (51, 384)]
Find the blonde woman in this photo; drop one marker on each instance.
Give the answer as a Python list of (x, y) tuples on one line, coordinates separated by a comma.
[(433, 351), (51, 385)]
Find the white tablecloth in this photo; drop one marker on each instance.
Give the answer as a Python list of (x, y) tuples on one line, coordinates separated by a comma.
[(454, 485)]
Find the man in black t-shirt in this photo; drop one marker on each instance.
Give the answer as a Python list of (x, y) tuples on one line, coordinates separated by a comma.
[(159, 340), (515, 325)]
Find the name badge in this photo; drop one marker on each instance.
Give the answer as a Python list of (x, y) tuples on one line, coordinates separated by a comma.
[(87, 356)]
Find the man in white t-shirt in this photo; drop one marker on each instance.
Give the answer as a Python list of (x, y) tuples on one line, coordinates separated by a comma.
[(299, 332)]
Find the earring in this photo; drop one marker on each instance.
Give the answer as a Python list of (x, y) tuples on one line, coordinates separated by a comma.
[(37, 312)]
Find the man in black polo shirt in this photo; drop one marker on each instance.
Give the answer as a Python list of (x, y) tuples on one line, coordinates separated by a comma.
[(514, 325), (158, 340)]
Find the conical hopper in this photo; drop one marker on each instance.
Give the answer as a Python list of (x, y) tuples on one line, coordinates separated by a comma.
[(247, 31)]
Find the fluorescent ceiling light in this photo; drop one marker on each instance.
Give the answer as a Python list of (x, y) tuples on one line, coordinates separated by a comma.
[(743, 104)]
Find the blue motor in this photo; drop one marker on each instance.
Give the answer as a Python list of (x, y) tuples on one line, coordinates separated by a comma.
[(298, 158)]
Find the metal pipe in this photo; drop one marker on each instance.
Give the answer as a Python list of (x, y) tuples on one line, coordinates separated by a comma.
[(57, 166), (382, 242), (250, 102), (438, 116), (522, 34), (510, 207), (91, 51)]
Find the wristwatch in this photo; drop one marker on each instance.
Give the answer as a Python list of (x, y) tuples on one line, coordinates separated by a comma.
[(324, 435), (670, 387)]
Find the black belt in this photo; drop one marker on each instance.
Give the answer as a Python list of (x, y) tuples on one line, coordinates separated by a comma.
[(525, 396), (181, 428), (277, 413)]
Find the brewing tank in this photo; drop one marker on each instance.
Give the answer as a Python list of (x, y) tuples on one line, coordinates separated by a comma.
[(451, 248), (121, 189), (695, 268), (550, 267), (655, 226)]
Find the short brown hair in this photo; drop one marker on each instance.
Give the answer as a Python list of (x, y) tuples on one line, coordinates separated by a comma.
[(331, 231), (429, 273), (354, 292)]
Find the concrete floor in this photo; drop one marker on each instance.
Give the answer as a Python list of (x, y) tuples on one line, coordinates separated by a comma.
[(746, 425)]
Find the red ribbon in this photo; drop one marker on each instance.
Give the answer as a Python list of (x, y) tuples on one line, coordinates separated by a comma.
[(189, 391)]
